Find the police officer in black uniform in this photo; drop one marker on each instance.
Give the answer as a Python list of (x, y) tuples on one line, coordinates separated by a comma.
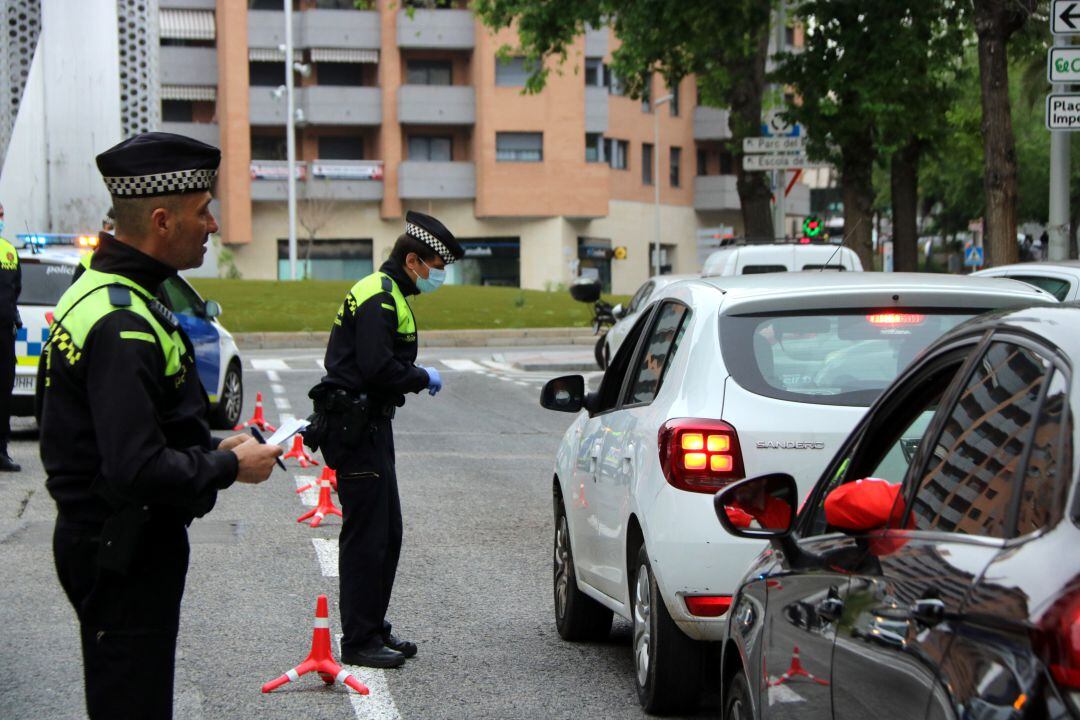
[(10, 287), (124, 440), (370, 365)]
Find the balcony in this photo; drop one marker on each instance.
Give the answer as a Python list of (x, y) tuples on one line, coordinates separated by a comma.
[(188, 65), (596, 41), (596, 109), (266, 28), (715, 192), (436, 180), (264, 108), (204, 132), (437, 104), (187, 4), (436, 30), (711, 124), (354, 180), (337, 105), (339, 29)]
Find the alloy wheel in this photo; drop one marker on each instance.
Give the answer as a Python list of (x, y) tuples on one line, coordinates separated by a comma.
[(233, 396), (642, 624), (564, 567)]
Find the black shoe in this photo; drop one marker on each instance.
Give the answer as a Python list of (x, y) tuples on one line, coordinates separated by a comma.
[(406, 648), (9, 465), (380, 657)]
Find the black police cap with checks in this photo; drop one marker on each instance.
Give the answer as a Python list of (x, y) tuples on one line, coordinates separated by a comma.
[(434, 234), (158, 163)]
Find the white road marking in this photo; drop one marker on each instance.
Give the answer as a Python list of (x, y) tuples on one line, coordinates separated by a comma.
[(282, 403), (321, 364), (521, 382), (498, 365), (277, 388), (309, 497), (273, 376), (461, 365), (504, 378), (379, 705), (327, 552), (268, 364), (784, 694)]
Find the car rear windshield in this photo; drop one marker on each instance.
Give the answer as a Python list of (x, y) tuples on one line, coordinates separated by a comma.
[(829, 358), (44, 283)]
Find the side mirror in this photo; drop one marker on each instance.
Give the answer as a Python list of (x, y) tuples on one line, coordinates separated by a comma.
[(212, 309), (761, 507), (564, 394), (618, 311)]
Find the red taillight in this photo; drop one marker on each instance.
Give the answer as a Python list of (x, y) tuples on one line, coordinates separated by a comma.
[(708, 605), (49, 317), (1061, 641), (700, 455), (895, 318)]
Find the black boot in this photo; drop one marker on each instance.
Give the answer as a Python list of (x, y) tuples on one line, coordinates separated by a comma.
[(379, 657), (6, 463), (406, 648)]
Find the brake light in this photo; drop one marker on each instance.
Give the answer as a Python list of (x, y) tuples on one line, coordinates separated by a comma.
[(895, 318), (1060, 641), (699, 455), (708, 605), (49, 317)]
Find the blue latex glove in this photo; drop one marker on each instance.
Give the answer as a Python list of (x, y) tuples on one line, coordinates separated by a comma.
[(434, 380)]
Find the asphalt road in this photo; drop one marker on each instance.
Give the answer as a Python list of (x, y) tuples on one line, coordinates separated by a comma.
[(473, 588)]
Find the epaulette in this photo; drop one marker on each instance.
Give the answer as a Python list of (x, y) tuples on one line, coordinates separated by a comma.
[(163, 314), (387, 284), (119, 296)]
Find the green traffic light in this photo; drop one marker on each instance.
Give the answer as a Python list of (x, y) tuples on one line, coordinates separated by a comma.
[(812, 226)]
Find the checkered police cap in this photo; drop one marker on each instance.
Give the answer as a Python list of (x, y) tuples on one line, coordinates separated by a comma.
[(434, 234), (158, 163)]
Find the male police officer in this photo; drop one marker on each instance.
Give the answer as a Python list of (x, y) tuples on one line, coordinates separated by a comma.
[(129, 457), (10, 287), (369, 368)]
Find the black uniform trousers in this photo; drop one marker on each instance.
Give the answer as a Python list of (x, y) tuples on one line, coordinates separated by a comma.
[(7, 380), (128, 622), (370, 541)]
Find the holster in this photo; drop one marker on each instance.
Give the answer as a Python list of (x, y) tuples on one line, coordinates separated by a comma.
[(339, 415)]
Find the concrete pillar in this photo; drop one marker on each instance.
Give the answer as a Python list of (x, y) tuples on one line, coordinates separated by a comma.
[(234, 178)]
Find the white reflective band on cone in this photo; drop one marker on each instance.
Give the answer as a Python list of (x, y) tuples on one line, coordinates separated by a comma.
[(322, 623), (292, 675), (340, 679)]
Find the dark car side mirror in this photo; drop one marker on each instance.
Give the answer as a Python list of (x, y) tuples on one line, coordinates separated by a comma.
[(761, 507), (564, 394)]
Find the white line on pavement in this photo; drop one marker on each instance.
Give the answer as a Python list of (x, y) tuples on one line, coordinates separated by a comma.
[(272, 376), (462, 365), (268, 364), (321, 364), (521, 382), (278, 388), (282, 403), (309, 497), (379, 705), (327, 552)]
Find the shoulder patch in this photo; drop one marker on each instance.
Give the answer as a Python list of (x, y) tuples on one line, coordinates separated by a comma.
[(119, 296)]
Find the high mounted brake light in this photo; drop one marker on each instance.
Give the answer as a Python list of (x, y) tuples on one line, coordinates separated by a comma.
[(895, 318), (700, 455)]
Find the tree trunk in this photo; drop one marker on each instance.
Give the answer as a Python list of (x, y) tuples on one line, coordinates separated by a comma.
[(858, 194), (905, 203), (748, 86), (995, 22)]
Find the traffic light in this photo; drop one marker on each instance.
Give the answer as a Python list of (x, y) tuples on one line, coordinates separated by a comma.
[(812, 226)]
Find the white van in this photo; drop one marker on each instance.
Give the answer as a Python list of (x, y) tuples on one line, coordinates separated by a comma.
[(751, 259)]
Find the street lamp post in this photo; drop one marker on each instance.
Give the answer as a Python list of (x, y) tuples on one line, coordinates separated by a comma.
[(656, 176), (290, 138)]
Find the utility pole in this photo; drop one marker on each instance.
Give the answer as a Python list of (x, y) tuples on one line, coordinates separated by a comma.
[(779, 177), (1058, 220), (656, 177), (290, 137)]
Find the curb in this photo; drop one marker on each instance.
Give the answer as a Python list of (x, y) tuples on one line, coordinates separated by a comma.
[(430, 338)]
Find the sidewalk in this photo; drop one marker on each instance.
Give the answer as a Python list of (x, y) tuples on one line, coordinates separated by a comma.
[(432, 338)]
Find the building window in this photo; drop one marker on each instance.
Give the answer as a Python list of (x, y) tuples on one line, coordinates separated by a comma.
[(617, 152), (612, 81), (265, 5), (177, 111), (674, 101), (340, 74), (676, 166), (789, 36), (327, 259), (519, 147), (270, 74), (702, 162), (430, 148), (646, 163), (428, 72), (727, 163), (268, 147), (594, 72), (512, 72), (341, 147), (594, 148), (646, 96)]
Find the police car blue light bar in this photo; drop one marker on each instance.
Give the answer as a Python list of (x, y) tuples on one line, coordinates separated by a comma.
[(38, 241)]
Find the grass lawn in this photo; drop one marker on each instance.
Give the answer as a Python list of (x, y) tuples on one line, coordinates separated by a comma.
[(275, 306)]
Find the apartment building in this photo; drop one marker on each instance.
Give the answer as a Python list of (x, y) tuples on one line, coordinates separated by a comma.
[(400, 109)]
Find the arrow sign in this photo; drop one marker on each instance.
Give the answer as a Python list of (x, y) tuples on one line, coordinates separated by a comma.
[(777, 144), (1065, 17)]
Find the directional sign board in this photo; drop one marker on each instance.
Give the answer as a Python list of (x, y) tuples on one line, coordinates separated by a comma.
[(778, 161), (1063, 111), (1065, 17), (776, 144), (1063, 65)]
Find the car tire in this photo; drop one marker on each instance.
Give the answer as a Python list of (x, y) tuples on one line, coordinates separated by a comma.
[(577, 616), (600, 352), (737, 705), (226, 415), (667, 664)]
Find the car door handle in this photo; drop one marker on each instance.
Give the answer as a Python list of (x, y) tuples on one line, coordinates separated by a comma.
[(928, 612), (830, 609)]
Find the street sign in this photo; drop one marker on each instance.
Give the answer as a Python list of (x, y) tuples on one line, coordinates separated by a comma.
[(1063, 65), (973, 256), (1065, 17), (776, 126), (777, 144), (778, 161), (1063, 111)]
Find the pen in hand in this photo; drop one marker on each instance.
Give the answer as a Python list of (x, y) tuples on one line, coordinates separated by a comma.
[(258, 436)]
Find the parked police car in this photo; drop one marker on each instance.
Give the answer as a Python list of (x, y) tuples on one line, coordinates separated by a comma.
[(48, 264)]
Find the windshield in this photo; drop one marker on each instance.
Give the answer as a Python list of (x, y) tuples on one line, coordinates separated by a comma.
[(44, 283), (829, 358)]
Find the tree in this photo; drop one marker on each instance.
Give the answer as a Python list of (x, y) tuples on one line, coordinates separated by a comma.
[(995, 22), (313, 213), (724, 46)]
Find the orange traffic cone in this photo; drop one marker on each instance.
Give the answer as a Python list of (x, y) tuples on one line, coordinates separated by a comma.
[(257, 419), (796, 670), (327, 474), (324, 507), (299, 452), (320, 659)]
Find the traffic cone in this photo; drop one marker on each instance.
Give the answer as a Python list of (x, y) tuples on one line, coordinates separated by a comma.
[(320, 659), (257, 419), (327, 474), (324, 507), (796, 670), (299, 452)]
